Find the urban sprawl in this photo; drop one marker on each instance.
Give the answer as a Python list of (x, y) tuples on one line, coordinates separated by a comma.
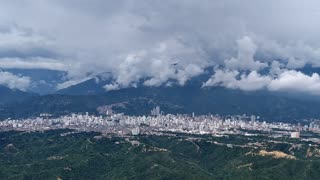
[(158, 123)]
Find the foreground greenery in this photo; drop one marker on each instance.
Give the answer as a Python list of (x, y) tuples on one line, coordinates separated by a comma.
[(49, 155)]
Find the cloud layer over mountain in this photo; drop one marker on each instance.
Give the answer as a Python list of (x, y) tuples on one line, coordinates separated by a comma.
[(14, 82), (166, 40)]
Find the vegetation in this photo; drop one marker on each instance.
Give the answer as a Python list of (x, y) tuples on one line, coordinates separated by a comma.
[(12, 96), (188, 99), (49, 155)]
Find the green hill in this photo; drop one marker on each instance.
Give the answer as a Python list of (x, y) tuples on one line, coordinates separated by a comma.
[(81, 156)]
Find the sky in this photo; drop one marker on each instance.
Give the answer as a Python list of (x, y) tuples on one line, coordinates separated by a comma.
[(163, 40)]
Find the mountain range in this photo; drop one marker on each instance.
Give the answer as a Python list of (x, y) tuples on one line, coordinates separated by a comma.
[(43, 81), (8, 96), (89, 95)]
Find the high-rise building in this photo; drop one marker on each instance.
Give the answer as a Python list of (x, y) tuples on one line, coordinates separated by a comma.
[(156, 111), (135, 131), (253, 119), (295, 135)]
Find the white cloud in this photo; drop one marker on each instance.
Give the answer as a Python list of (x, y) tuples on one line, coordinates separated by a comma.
[(295, 81), (294, 63), (72, 82), (14, 82), (190, 71), (296, 54), (156, 64), (235, 80), (135, 40), (110, 87), (245, 59), (276, 68), (32, 63), (283, 81)]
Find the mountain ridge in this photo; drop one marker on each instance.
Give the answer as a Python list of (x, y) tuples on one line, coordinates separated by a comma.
[(187, 99), (8, 95)]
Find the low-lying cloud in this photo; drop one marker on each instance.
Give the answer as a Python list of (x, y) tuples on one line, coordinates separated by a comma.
[(236, 80), (32, 63), (159, 41), (286, 81), (296, 81), (13, 81)]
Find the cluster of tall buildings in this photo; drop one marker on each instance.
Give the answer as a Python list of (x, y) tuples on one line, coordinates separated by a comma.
[(157, 122), (156, 111)]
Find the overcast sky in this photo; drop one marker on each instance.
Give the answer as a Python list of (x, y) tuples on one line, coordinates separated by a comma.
[(137, 39)]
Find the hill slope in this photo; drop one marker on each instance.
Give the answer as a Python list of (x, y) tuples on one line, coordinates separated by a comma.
[(90, 87), (44, 81), (8, 95), (81, 156), (187, 99)]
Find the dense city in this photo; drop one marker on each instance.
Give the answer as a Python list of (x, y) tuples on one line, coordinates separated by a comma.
[(157, 123)]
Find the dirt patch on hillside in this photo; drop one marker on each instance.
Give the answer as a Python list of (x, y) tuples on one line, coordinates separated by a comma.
[(276, 154)]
